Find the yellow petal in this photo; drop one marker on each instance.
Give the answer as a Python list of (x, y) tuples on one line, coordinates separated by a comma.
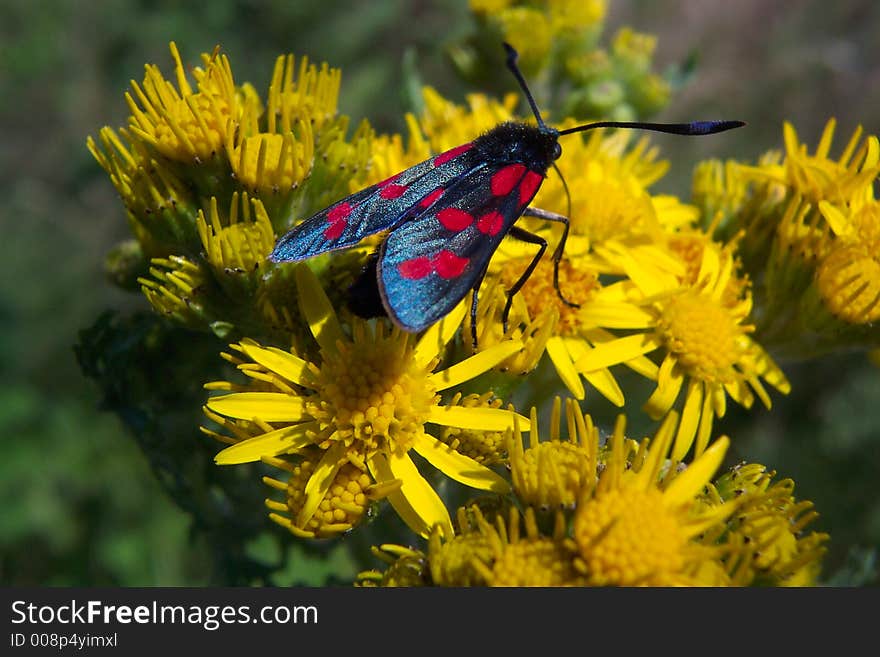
[(561, 360), (316, 308), (707, 415), (438, 335), (267, 406), (472, 367), (293, 368), (606, 384), (617, 351), (615, 315), (273, 443), (320, 481), (479, 419), (690, 420), (415, 501), (691, 482), (458, 466), (669, 380), (640, 364)]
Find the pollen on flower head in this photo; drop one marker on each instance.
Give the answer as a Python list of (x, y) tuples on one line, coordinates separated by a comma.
[(183, 124), (848, 280), (578, 282), (702, 334), (240, 240), (511, 551), (641, 525), (555, 473), (372, 393), (486, 447), (629, 537), (343, 506)]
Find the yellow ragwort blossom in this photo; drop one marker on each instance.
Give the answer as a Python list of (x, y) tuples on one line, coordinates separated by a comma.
[(186, 124), (366, 402), (554, 473), (701, 331), (639, 525), (768, 528)]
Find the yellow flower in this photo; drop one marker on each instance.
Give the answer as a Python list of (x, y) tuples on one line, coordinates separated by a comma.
[(768, 528), (554, 473), (366, 403), (576, 15), (607, 183), (407, 567), (530, 32), (515, 558), (240, 245), (701, 330), (818, 177), (184, 124), (157, 201), (176, 289), (638, 526), (447, 124)]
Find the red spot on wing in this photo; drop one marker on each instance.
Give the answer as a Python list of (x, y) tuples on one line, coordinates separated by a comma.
[(504, 180), (448, 265), (451, 154), (454, 219), (529, 186), (428, 201), (340, 212), (490, 223), (392, 191), (337, 220), (335, 230), (415, 268)]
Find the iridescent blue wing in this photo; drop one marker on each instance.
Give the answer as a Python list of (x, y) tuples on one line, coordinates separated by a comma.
[(427, 265), (376, 208)]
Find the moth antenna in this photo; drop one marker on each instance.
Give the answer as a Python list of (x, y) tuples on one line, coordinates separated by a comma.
[(512, 56), (694, 128)]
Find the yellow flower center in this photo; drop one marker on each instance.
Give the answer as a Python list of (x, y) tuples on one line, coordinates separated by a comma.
[(534, 562), (486, 447), (552, 474), (452, 562), (272, 162), (630, 537), (576, 284), (849, 282), (372, 391), (343, 505), (193, 126), (702, 334)]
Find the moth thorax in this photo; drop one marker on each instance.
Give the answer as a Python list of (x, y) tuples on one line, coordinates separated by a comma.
[(519, 142)]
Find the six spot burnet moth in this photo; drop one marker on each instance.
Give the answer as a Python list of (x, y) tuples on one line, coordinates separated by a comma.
[(446, 216)]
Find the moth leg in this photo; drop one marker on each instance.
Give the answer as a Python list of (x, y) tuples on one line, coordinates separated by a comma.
[(476, 289), (530, 238), (560, 248)]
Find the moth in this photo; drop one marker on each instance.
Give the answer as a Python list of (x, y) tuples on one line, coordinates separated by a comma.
[(446, 216)]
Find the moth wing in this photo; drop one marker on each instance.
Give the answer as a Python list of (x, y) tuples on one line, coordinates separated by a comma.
[(428, 265), (374, 209)]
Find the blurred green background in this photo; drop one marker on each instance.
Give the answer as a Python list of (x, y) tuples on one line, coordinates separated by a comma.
[(80, 502)]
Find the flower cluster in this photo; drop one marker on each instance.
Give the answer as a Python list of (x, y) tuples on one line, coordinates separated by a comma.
[(657, 305), (560, 46), (620, 513), (810, 234)]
